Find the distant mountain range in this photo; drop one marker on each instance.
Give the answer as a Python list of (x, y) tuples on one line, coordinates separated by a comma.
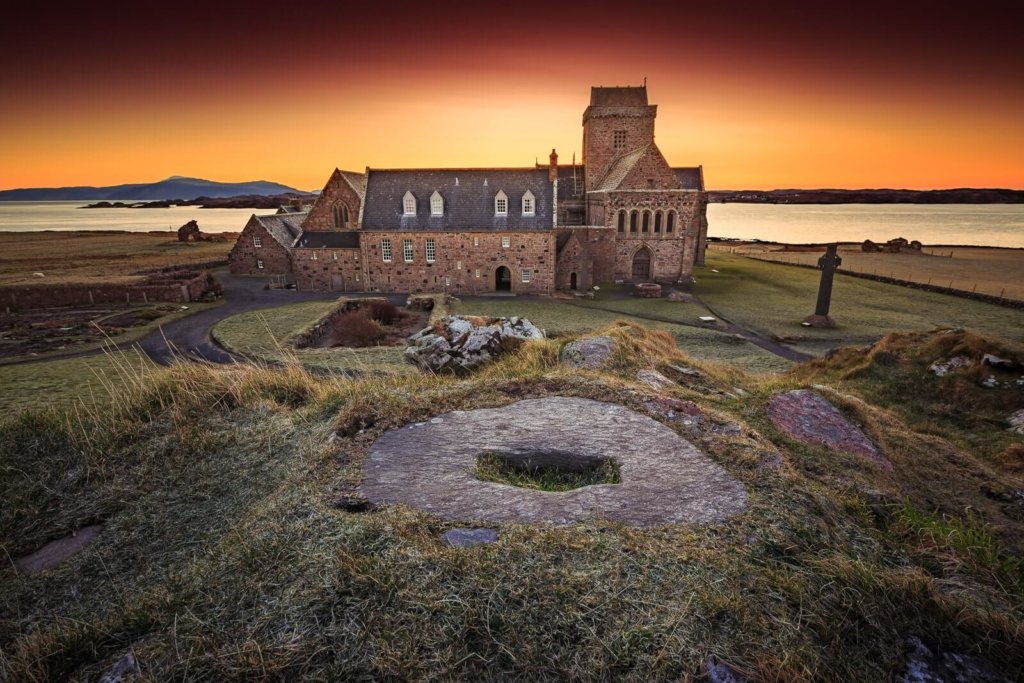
[(885, 196), (175, 187)]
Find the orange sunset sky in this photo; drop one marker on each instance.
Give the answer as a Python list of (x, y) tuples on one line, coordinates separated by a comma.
[(764, 95)]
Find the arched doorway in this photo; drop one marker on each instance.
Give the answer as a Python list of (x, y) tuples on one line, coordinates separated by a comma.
[(572, 281), (502, 279), (642, 264)]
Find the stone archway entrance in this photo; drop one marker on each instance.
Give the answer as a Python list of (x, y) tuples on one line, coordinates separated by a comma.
[(572, 281), (502, 279), (642, 264)]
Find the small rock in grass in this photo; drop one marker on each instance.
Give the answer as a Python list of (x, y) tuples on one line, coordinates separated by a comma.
[(467, 538), (125, 669), (1016, 421), (55, 552), (653, 379), (926, 666), (722, 672), (588, 352)]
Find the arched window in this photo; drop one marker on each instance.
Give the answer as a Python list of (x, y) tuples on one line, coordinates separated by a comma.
[(529, 204), (657, 221), (647, 222), (671, 221), (340, 212), (622, 221), (501, 204), (436, 204), (344, 214), (633, 218), (409, 204)]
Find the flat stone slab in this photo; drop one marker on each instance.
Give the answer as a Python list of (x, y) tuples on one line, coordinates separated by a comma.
[(665, 479), (810, 418), (588, 352), (55, 552), (467, 538)]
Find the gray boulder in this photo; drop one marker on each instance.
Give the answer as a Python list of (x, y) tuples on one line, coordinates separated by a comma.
[(463, 343), (588, 352)]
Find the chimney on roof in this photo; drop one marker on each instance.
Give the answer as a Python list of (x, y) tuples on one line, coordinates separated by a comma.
[(553, 167)]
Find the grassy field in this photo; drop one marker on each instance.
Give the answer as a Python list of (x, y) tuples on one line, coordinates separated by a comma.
[(96, 256), (234, 545), (773, 299), (984, 269), (263, 336), (87, 380)]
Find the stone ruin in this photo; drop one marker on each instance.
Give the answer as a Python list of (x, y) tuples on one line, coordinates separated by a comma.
[(899, 245), (190, 232), (460, 343)]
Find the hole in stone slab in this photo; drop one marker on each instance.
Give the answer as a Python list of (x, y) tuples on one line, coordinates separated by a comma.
[(546, 469)]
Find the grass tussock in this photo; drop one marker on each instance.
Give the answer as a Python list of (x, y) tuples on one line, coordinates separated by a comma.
[(227, 552)]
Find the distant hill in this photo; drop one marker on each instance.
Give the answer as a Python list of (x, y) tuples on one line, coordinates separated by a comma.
[(884, 196), (172, 188)]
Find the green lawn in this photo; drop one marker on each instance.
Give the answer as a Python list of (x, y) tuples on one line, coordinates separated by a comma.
[(61, 382), (773, 299), (264, 335)]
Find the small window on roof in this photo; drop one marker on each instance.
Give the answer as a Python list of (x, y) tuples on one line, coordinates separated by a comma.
[(436, 204), (528, 203), (501, 204), (409, 204)]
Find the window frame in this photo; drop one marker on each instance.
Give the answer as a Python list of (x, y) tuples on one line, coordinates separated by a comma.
[(408, 253), (527, 274), (501, 203), (436, 204), (385, 250), (506, 242), (409, 204), (430, 250), (259, 264), (529, 204)]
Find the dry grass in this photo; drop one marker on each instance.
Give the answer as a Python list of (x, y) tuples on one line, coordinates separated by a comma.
[(984, 269), (97, 256), (228, 551)]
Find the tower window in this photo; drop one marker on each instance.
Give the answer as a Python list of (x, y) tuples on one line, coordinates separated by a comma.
[(671, 222), (647, 221), (632, 221), (657, 222), (619, 139), (431, 250)]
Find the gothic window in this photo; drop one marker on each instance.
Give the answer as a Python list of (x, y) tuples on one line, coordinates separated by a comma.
[(385, 250), (344, 214), (671, 222), (407, 250), (409, 204), (647, 222), (501, 204), (431, 250), (340, 212), (657, 221), (622, 221), (528, 203), (633, 217), (436, 204), (619, 139)]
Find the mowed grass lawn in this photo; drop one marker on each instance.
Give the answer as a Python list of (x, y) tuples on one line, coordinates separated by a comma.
[(773, 299), (263, 336), (97, 256), (999, 272)]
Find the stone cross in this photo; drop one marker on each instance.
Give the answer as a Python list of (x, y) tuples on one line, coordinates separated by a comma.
[(828, 264)]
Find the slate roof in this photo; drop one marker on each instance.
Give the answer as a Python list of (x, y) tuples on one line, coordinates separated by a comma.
[(358, 181), (629, 96), (333, 239), (468, 199), (283, 227), (619, 169), (691, 178)]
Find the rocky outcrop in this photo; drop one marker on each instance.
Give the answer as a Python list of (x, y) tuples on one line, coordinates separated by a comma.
[(460, 343)]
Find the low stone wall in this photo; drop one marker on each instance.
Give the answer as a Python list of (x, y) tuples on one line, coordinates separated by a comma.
[(175, 287)]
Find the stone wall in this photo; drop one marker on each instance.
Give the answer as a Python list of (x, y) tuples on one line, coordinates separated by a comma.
[(465, 262), (599, 126), (590, 253), (183, 288), (321, 216), (245, 255), (328, 270), (668, 260)]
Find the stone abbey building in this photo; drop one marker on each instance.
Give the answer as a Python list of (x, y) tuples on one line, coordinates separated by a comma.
[(623, 214)]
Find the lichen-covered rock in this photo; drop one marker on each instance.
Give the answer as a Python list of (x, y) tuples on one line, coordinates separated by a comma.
[(457, 343), (468, 538), (588, 352), (654, 379), (1016, 421)]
